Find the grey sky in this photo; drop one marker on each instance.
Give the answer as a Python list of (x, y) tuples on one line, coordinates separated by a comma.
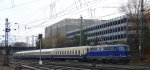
[(32, 13)]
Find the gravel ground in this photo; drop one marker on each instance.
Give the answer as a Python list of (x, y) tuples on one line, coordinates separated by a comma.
[(10, 67), (6, 67)]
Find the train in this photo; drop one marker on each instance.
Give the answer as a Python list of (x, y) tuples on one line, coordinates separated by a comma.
[(100, 53)]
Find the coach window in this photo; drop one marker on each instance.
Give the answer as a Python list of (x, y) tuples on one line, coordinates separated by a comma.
[(88, 50), (84, 51), (67, 52), (73, 52), (78, 51), (45, 53)]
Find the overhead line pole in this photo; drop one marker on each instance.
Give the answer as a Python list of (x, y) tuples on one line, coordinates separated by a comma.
[(40, 40), (81, 33), (141, 30), (7, 30)]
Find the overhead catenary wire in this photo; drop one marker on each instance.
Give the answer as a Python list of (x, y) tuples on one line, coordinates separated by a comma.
[(14, 6), (61, 16), (62, 13), (66, 11)]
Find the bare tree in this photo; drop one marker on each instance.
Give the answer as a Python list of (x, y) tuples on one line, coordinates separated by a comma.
[(133, 9), (47, 42)]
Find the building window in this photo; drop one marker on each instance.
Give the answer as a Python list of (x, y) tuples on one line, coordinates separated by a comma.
[(122, 28), (125, 20), (122, 20), (119, 29), (115, 37), (115, 23), (122, 36), (119, 36), (115, 30), (118, 21)]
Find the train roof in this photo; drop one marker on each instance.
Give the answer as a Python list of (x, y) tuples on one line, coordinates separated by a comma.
[(56, 49), (73, 48), (69, 48), (30, 51), (106, 45)]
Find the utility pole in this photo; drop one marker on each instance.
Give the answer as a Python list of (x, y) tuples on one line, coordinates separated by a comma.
[(51, 38), (7, 30), (81, 32), (32, 40), (141, 30), (40, 40), (57, 37)]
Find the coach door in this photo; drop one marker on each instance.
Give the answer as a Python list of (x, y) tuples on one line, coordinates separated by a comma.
[(115, 51)]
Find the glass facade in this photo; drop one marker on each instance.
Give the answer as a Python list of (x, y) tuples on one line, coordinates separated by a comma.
[(107, 32)]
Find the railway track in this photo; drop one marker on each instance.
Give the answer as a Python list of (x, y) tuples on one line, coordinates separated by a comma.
[(59, 65)]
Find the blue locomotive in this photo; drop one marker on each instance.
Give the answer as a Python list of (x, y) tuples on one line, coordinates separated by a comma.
[(100, 53)]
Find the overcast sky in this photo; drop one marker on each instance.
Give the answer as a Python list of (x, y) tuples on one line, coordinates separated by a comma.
[(32, 16)]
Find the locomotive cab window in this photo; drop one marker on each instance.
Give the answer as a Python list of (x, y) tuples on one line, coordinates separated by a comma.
[(121, 48), (93, 49), (108, 48), (126, 48), (99, 48)]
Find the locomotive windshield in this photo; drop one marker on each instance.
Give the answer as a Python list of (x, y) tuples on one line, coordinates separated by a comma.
[(123, 48), (126, 48)]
